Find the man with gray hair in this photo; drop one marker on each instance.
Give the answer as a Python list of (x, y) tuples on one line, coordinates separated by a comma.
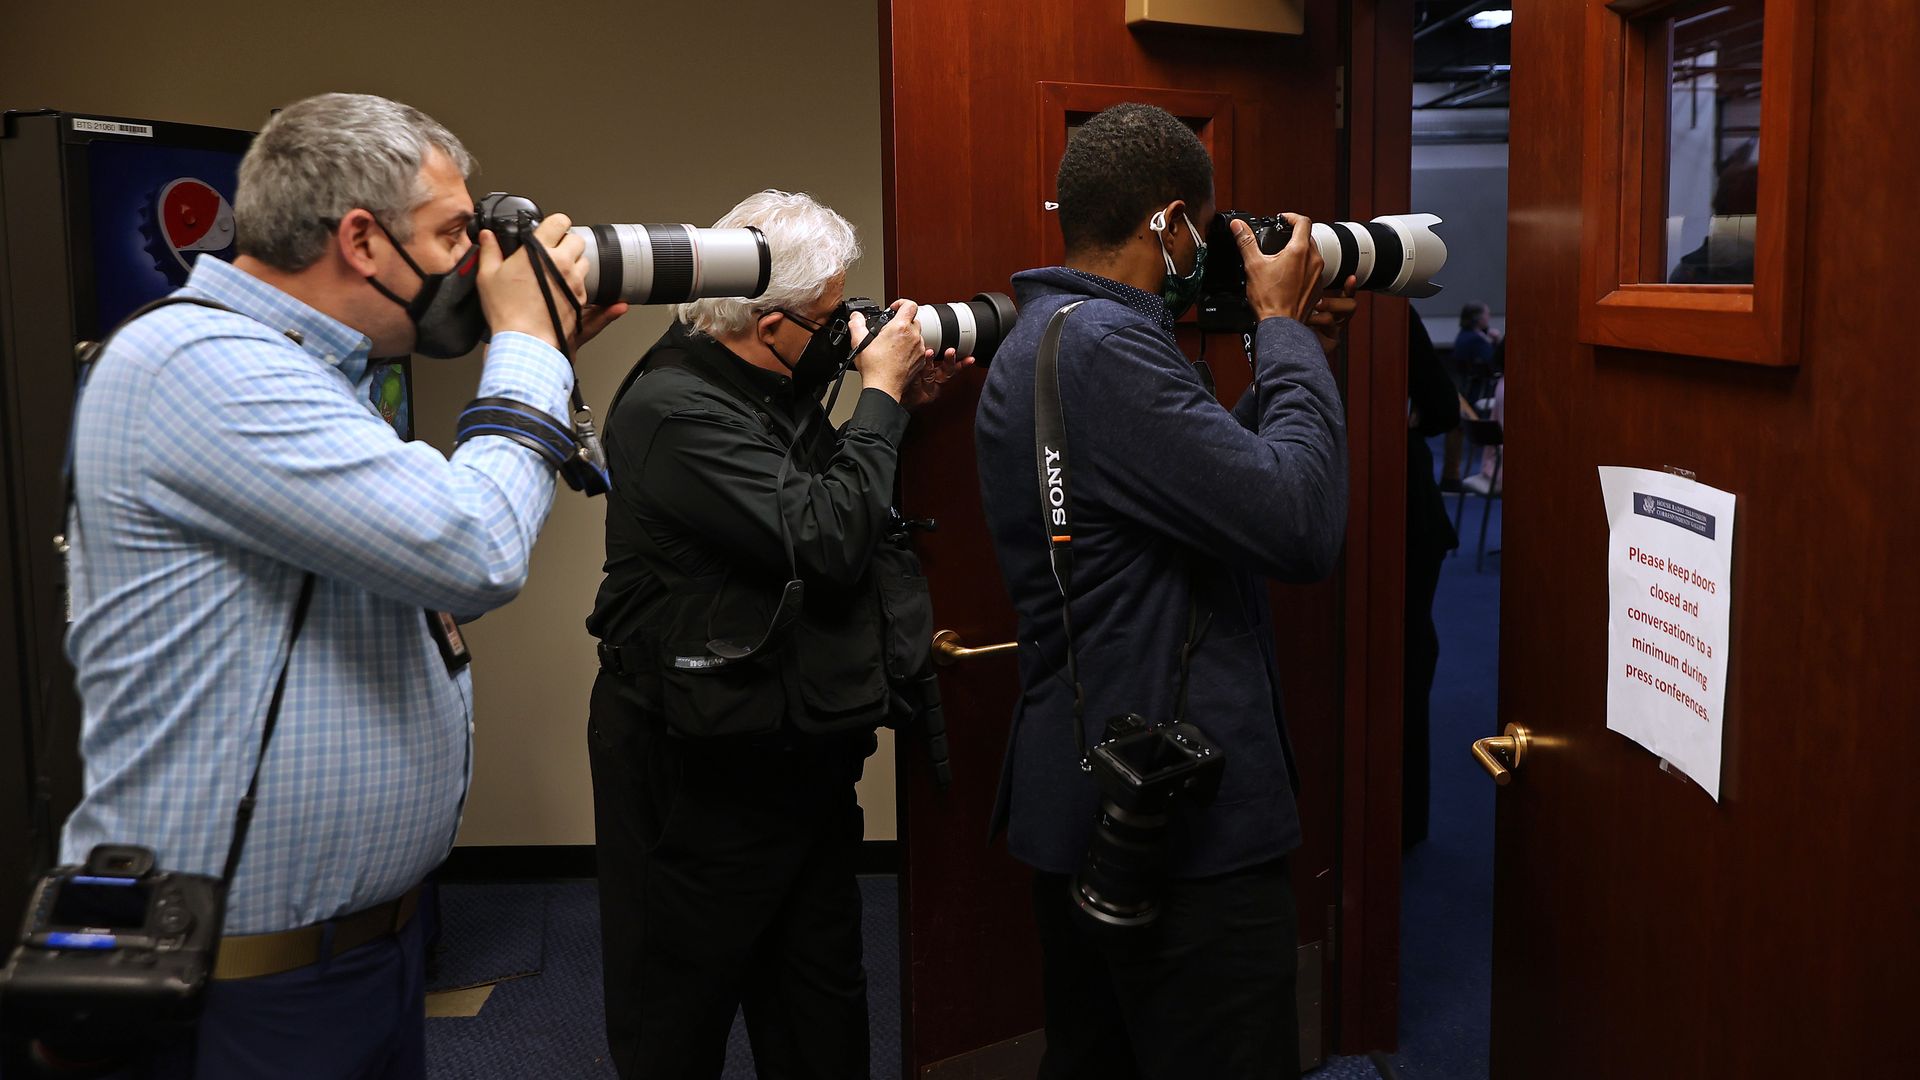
[(749, 585), (248, 530)]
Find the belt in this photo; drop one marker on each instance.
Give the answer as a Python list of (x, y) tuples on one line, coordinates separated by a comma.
[(249, 956)]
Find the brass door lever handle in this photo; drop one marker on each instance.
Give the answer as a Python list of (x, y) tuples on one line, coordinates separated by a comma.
[(948, 651), (1512, 746)]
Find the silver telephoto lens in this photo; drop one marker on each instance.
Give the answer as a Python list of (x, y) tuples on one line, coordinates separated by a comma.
[(672, 264), (1397, 254), (974, 328)]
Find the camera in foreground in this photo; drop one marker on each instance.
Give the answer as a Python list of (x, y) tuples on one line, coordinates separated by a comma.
[(974, 328), (1144, 772), (644, 264), (1397, 254), (112, 956)]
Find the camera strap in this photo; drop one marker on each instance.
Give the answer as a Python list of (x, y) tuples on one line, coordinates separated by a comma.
[(585, 469), (792, 601), (243, 817), (1056, 510), (86, 354)]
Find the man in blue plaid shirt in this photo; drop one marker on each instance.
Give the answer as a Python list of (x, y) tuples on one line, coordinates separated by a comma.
[(219, 457)]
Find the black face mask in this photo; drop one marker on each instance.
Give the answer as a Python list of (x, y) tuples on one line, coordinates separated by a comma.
[(826, 354), (446, 315)]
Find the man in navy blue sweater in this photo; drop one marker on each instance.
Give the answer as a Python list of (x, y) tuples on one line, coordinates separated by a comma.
[(1180, 509)]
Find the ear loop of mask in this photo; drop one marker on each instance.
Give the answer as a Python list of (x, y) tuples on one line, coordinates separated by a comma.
[(418, 305), (1158, 223)]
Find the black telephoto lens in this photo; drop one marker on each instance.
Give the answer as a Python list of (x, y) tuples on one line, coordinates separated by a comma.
[(1120, 880)]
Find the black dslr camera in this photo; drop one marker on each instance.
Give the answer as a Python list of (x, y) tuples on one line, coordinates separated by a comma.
[(974, 328), (113, 956), (1223, 288), (1144, 772)]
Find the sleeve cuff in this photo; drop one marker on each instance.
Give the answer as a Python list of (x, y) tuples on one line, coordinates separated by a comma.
[(879, 413), (524, 368), (1289, 338)]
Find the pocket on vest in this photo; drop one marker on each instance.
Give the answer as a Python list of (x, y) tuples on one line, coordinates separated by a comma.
[(702, 695), (838, 675)]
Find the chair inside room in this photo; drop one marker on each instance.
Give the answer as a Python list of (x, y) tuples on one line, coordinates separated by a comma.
[(1481, 433)]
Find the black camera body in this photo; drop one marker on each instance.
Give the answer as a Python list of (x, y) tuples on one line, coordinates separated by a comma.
[(114, 956), (1223, 303), (1144, 771), (511, 218)]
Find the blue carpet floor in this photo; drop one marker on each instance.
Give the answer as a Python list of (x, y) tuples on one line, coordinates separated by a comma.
[(1446, 914), (549, 1024)]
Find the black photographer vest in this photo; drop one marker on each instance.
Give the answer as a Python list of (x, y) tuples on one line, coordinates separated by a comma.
[(852, 657)]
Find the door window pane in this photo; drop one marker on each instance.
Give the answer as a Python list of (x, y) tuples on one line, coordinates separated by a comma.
[(1710, 50)]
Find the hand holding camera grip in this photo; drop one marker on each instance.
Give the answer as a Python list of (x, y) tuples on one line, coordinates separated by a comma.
[(1283, 282)]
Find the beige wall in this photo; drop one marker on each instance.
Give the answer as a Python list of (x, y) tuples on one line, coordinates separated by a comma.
[(607, 111)]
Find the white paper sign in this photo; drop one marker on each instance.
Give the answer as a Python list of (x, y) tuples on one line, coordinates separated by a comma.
[(1669, 595)]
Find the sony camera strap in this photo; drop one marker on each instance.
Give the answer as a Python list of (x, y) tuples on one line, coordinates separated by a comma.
[(1056, 510)]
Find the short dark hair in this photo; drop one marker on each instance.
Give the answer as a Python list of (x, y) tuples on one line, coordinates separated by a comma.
[(1470, 313), (1122, 164)]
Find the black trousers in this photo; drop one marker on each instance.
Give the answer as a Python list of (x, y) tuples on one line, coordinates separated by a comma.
[(1205, 992), (727, 882)]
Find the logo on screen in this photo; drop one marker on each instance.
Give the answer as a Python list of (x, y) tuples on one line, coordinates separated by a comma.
[(187, 217)]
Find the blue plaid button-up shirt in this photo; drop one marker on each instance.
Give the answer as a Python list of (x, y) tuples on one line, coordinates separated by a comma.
[(217, 457)]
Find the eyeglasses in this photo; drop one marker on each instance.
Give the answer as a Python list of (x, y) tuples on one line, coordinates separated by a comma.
[(837, 319)]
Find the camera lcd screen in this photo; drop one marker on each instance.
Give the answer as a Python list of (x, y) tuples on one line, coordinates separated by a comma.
[(1151, 755), (101, 902)]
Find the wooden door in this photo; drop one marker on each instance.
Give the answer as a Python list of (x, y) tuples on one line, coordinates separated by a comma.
[(1642, 929), (977, 98)]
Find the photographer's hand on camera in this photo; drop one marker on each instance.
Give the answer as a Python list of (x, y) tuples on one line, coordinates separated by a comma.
[(1282, 284), (894, 359), (1331, 312), (934, 377), (511, 298)]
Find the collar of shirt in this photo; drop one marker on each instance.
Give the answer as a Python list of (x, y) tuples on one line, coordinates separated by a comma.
[(1140, 300), (768, 386), (319, 334)]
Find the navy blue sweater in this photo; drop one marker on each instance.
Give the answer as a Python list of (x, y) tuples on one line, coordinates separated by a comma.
[(1170, 491)]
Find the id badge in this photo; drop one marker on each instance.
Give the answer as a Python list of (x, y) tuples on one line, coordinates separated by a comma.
[(446, 634)]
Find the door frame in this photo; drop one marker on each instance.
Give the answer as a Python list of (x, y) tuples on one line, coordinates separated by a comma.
[(1377, 179)]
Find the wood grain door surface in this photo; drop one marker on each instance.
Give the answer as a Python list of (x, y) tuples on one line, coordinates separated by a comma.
[(1642, 929)]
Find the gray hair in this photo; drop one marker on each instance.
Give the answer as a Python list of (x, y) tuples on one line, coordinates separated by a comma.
[(810, 245), (321, 158)]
